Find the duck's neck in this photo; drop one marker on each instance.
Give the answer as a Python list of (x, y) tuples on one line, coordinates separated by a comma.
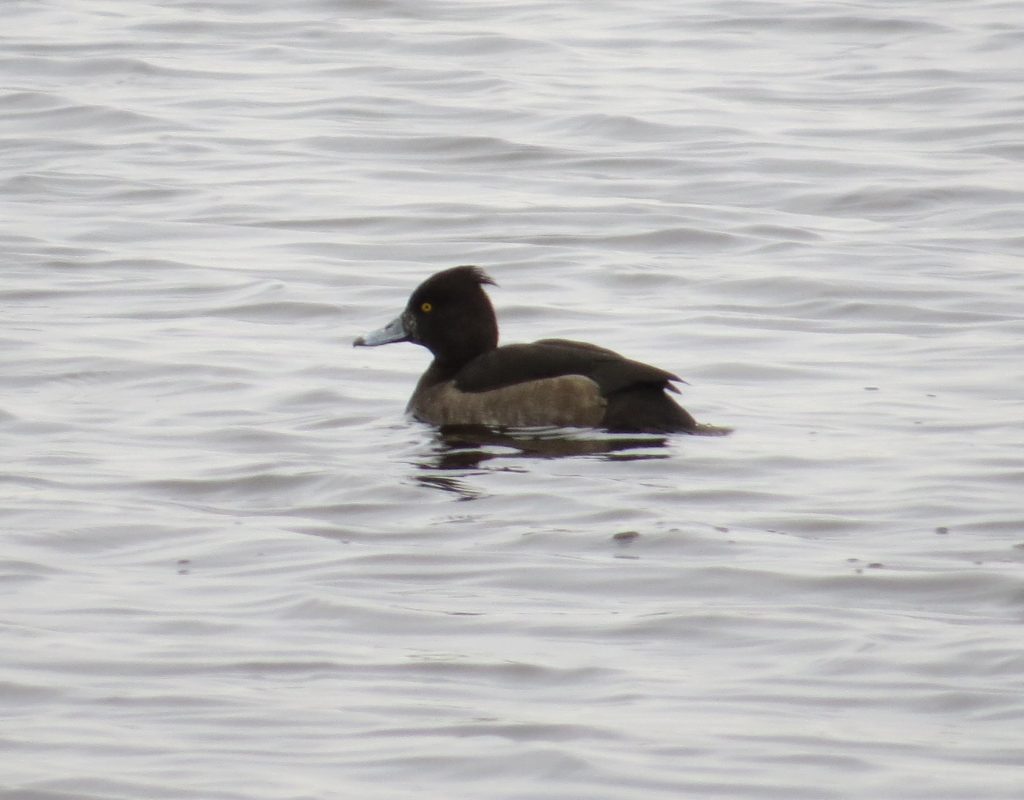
[(446, 367), (466, 344), (436, 373)]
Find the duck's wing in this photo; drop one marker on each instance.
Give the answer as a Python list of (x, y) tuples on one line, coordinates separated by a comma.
[(551, 358)]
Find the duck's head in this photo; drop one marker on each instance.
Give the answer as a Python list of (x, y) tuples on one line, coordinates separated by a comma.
[(449, 313)]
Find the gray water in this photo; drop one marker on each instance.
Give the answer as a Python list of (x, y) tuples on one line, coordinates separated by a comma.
[(232, 569)]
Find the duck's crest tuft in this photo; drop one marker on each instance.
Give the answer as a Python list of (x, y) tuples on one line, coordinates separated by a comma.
[(475, 274)]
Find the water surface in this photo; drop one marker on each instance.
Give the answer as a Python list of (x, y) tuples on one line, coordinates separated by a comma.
[(232, 567)]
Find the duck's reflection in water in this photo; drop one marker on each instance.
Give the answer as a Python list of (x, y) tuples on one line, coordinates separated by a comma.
[(458, 451)]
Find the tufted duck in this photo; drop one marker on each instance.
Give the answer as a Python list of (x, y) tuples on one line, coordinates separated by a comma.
[(552, 382)]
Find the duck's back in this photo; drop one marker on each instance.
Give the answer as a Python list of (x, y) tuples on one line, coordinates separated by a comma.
[(553, 382)]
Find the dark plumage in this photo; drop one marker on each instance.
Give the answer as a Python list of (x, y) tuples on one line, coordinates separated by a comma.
[(559, 382)]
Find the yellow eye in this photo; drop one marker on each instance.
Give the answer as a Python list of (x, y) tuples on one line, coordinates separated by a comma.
[(426, 308)]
